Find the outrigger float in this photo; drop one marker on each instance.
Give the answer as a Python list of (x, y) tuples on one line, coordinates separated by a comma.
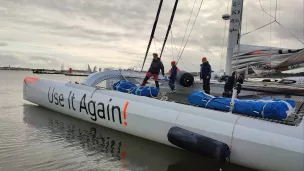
[(263, 144)]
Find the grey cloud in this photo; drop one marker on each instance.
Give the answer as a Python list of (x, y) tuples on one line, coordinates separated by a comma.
[(22, 59), (127, 14), (76, 31), (48, 60), (10, 59), (3, 44), (135, 18), (133, 15)]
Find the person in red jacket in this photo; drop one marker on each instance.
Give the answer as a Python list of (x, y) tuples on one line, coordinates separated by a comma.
[(154, 70)]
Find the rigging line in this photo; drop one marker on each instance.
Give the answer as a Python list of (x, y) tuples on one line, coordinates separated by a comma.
[(270, 29), (258, 28), (191, 30), (173, 41), (264, 10), (223, 44), (275, 12), (184, 65), (172, 45), (280, 18), (169, 27), (289, 32), (186, 29), (278, 23), (228, 5), (153, 31), (160, 43), (189, 62), (224, 37)]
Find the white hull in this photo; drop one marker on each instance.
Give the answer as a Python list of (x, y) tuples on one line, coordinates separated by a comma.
[(256, 143)]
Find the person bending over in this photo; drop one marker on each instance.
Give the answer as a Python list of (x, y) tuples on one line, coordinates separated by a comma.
[(231, 82)]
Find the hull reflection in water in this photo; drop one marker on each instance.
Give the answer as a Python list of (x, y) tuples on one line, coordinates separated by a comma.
[(103, 148)]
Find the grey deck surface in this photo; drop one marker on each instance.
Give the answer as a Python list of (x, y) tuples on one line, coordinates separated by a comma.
[(181, 97)]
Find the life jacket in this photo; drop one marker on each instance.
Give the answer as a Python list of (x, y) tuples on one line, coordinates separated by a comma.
[(177, 70)]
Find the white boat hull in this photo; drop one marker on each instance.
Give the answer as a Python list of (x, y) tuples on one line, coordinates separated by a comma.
[(255, 144)]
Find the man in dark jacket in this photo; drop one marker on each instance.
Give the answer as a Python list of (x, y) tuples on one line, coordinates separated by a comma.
[(154, 70), (231, 82), (240, 81), (205, 75)]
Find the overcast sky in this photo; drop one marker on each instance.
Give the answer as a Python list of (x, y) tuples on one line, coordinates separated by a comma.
[(115, 33)]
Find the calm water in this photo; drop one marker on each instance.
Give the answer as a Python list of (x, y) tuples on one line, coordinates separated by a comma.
[(34, 138)]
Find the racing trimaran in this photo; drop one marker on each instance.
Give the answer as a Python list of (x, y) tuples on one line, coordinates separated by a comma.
[(254, 142)]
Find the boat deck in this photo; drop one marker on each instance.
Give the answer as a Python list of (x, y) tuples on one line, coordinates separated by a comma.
[(293, 120), (182, 94)]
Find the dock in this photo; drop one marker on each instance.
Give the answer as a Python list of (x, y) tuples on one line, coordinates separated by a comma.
[(76, 74)]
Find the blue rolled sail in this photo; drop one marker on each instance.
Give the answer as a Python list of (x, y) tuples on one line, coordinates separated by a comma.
[(124, 86), (148, 91), (129, 87), (266, 108)]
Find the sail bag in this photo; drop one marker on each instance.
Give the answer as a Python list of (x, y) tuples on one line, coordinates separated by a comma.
[(148, 91), (123, 86), (266, 108), (129, 87)]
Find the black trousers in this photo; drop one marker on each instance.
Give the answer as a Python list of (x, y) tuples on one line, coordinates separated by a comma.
[(171, 84), (239, 88), (206, 85)]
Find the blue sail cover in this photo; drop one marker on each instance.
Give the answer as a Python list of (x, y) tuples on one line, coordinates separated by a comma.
[(129, 87), (148, 91), (124, 86), (266, 108)]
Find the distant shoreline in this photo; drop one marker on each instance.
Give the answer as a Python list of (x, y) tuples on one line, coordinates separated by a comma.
[(32, 69), (48, 71)]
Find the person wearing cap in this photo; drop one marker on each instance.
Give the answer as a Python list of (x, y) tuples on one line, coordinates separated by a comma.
[(205, 75), (173, 73), (154, 70)]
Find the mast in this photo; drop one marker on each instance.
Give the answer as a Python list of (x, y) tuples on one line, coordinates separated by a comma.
[(234, 32), (153, 30), (169, 27)]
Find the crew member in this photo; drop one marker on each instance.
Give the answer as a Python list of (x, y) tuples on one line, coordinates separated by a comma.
[(205, 74), (154, 70), (228, 88), (240, 81), (173, 73), (230, 83)]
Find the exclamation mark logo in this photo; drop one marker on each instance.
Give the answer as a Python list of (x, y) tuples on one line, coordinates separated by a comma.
[(125, 113)]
